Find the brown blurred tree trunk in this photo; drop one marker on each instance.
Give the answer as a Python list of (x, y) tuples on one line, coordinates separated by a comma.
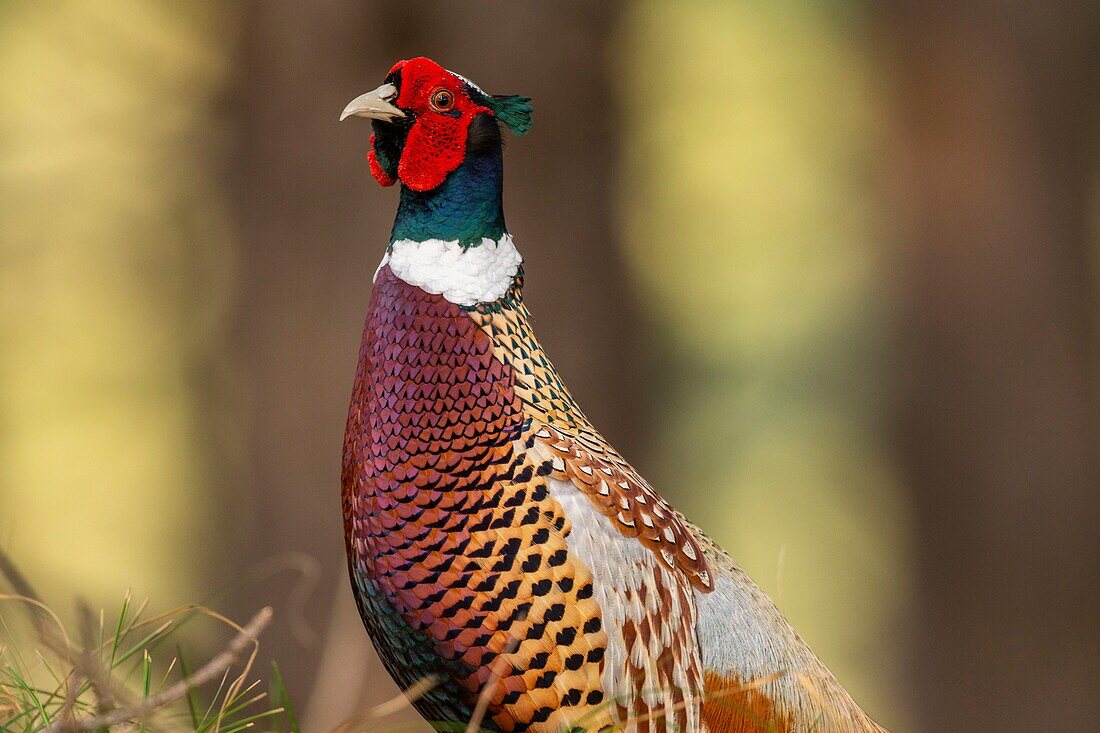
[(996, 104), (314, 225)]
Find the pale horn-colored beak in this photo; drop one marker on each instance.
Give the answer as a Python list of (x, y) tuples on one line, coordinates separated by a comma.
[(375, 105)]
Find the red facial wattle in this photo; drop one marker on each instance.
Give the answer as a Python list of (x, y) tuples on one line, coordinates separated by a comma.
[(436, 142)]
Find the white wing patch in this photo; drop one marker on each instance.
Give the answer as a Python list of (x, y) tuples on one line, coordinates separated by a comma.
[(480, 273), (652, 675)]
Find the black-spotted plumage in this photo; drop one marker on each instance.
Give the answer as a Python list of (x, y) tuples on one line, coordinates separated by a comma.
[(495, 539)]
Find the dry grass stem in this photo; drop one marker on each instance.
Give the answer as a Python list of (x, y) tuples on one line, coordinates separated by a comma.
[(217, 666), (389, 707)]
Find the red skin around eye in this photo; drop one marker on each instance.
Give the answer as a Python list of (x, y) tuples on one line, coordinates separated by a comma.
[(436, 143)]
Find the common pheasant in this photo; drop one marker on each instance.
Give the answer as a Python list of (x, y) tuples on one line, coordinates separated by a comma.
[(497, 543)]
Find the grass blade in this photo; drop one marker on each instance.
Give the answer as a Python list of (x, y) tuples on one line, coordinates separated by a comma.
[(279, 694)]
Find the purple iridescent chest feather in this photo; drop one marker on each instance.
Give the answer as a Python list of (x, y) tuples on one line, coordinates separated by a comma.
[(450, 527)]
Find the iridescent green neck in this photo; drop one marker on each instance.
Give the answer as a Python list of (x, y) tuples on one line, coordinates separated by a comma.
[(466, 207)]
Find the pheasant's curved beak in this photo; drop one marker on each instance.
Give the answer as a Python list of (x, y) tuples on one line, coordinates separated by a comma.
[(375, 105)]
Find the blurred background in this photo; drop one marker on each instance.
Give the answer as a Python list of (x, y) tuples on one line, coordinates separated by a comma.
[(825, 271)]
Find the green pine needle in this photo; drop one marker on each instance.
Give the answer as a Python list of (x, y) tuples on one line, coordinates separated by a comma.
[(279, 693), (40, 685)]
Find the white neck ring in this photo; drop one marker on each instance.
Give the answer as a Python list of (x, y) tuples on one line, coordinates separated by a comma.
[(466, 276)]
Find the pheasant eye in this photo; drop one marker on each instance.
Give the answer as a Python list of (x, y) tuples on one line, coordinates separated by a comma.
[(441, 100)]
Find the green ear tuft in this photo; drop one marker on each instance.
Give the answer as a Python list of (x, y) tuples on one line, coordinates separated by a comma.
[(514, 112)]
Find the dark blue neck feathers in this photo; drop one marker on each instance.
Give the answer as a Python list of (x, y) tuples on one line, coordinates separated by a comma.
[(466, 206)]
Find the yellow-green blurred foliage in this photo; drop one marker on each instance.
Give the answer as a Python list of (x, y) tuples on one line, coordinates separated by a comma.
[(115, 272), (755, 239)]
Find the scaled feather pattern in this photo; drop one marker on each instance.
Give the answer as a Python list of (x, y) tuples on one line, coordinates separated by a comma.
[(495, 540)]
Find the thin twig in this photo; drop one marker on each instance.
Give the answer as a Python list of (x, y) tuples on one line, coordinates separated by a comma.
[(57, 640), (496, 671), (72, 690), (25, 591), (716, 694), (18, 581), (209, 671), (99, 679), (497, 668), (309, 569), (408, 696)]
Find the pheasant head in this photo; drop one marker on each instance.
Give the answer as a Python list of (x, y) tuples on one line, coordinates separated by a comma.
[(426, 120)]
